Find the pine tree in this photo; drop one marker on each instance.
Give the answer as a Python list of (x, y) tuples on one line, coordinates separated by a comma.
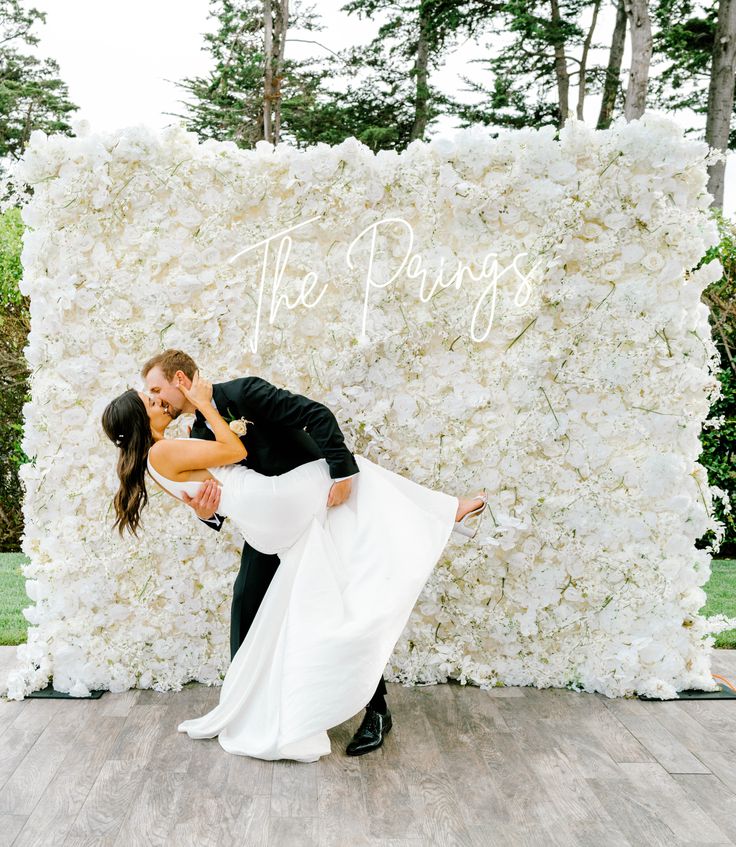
[(533, 73), (228, 104), (32, 95), (386, 102), (399, 62), (683, 47)]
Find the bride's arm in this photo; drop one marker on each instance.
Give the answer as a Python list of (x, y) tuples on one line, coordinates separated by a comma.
[(224, 436), (175, 457)]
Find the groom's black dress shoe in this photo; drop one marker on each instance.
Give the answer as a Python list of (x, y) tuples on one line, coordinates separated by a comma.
[(369, 735)]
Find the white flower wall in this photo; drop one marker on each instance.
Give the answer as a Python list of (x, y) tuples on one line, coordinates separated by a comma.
[(573, 385)]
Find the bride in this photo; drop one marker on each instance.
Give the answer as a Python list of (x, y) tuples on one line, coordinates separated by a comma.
[(348, 579)]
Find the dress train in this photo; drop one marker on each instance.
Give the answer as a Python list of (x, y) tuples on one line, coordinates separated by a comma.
[(348, 579)]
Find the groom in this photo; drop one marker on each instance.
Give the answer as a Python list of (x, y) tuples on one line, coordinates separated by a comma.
[(285, 430)]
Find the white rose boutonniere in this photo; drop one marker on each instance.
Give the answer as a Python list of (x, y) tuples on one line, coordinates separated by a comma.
[(239, 426)]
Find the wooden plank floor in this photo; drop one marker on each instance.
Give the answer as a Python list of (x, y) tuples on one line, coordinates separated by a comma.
[(515, 766)]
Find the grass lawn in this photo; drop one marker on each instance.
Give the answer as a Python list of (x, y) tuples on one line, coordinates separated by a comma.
[(720, 589), (721, 592), (13, 626)]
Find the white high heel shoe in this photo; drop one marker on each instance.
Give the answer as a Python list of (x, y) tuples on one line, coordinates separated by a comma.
[(461, 527)]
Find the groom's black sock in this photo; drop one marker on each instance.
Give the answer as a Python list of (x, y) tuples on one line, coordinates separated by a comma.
[(378, 703)]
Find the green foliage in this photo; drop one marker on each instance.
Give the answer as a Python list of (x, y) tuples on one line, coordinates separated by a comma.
[(11, 233), (719, 445), (381, 105), (227, 105), (385, 105), (377, 107), (683, 46), (32, 95), (522, 91), (14, 325)]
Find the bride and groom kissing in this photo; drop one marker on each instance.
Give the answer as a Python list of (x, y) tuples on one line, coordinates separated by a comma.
[(336, 550)]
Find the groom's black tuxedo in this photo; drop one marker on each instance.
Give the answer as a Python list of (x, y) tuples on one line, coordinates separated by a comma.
[(287, 430)]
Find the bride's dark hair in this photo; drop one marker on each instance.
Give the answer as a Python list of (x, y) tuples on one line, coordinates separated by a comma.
[(126, 423)]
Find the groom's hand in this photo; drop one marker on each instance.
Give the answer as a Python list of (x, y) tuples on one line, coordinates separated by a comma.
[(339, 492), (207, 501)]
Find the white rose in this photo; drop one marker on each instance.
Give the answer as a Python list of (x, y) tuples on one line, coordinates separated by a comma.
[(239, 427)]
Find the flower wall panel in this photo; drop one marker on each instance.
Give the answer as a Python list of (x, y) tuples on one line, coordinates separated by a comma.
[(519, 312)]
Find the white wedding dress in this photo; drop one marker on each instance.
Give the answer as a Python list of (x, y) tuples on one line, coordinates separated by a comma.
[(348, 579)]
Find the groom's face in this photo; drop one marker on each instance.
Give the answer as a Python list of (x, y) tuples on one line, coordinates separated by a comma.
[(160, 387)]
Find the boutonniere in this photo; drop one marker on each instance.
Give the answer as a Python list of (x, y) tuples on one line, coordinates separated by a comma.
[(239, 426)]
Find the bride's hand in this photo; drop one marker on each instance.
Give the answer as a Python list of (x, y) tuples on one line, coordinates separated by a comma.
[(200, 393), (339, 492)]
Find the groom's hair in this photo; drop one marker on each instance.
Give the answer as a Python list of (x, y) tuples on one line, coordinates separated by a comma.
[(171, 361)]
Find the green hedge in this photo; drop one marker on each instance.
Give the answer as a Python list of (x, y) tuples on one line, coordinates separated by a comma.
[(719, 445)]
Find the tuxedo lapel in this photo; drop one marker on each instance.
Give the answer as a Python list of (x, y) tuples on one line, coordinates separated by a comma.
[(200, 428), (225, 405), (221, 401)]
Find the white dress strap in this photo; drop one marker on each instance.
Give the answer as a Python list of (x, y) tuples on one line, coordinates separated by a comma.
[(161, 480)]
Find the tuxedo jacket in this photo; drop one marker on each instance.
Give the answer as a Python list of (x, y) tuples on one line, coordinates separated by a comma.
[(287, 430)]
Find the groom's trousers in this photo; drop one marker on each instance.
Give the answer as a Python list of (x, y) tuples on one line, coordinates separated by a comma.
[(255, 575)]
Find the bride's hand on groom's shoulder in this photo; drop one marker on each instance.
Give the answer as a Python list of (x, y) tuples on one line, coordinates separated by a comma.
[(200, 392)]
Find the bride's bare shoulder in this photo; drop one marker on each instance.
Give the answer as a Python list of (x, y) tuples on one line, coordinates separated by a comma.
[(162, 447), (163, 456)]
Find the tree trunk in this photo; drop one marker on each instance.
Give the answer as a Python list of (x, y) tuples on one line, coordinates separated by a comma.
[(561, 74), (268, 70), (641, 55), (613, 71), (282, 22), (420, 69), (584, 61), (720, 95)]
